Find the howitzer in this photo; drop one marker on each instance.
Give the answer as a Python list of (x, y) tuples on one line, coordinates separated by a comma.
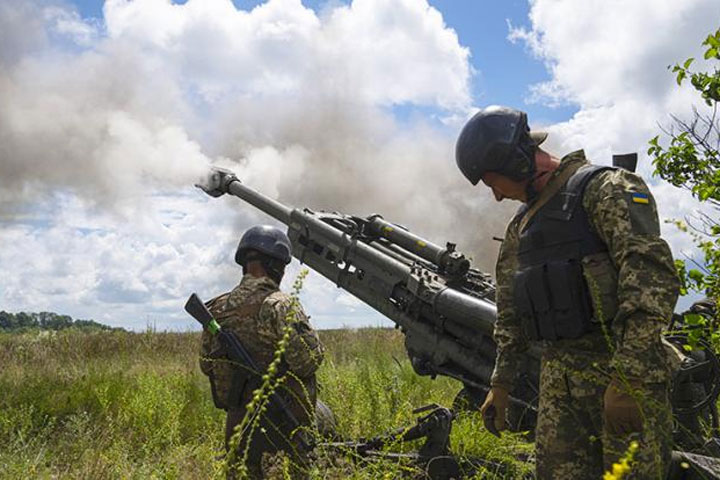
[(444, 307), (238, 353)]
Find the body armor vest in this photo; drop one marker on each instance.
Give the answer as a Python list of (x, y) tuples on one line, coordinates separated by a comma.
[(228, 380), (550, 292)]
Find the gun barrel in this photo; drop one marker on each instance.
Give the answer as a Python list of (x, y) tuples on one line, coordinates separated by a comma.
[(272, 207)]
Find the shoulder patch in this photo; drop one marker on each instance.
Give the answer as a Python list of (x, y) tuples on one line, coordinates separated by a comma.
[(643, 217), (641, 198)]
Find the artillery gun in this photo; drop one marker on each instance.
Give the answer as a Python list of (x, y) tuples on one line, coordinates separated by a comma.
[(446, 310), (444, 307)]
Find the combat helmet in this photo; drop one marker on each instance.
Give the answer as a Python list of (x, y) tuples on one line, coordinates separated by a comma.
[(497, 139), (266, 239)]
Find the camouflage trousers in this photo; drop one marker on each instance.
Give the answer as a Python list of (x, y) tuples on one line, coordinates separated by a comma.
[(570, 439), (270, 448)]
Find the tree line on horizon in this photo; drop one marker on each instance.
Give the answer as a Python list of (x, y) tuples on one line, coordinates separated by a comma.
[(22, 321)]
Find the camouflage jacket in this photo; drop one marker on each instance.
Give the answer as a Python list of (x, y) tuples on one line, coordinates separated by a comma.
[(260, 330), (646, 281)]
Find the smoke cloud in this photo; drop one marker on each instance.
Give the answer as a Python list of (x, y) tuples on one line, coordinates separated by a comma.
[(122, 115)]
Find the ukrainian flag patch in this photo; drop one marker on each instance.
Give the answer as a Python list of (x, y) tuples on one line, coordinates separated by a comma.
[(640, 198)]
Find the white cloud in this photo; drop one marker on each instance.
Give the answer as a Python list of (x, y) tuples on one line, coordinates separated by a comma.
[(372, 51), (69, 24), (104, 128), (412, 38), (92, 264), (600, 52), (610, 58)]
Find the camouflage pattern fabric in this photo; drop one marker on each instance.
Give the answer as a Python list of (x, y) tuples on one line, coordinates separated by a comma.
[(648, 284), (570, 439), (639, 269), (258, 313)]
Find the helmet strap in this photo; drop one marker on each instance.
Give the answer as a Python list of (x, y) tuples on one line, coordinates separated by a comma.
[(531, 192), (526, 151), (274, 268)]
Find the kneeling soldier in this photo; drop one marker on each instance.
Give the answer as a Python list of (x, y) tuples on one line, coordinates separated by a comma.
[(259, 314)]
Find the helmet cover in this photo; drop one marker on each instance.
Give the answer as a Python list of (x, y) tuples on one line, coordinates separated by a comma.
[(265, 239), (497, 139)]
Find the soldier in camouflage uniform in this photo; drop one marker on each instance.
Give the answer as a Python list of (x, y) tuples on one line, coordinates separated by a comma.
[(582, 272), (260, 315)]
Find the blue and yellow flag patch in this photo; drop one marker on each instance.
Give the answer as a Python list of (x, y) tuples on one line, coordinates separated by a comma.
[(640, 198)]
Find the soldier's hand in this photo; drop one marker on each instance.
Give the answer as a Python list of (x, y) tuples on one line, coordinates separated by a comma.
[(494, 409), (622, 413)]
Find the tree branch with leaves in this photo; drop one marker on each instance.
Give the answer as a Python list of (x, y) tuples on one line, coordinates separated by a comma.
[(691, 161)]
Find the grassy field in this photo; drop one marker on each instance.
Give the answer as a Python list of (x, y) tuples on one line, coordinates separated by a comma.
[(135, 405)]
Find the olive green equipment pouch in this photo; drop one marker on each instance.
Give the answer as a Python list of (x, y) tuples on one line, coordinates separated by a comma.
[(602, 280), (227, 380)]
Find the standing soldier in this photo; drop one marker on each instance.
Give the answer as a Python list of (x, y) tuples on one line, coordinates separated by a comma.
[(583, 272), (260, 315)]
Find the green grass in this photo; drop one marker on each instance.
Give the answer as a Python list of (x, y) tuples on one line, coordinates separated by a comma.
[(135, 405)]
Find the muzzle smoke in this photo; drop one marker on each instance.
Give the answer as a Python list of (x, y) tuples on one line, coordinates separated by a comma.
[(289, 100)]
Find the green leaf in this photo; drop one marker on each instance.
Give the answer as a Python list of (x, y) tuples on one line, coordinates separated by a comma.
[(711, 53), (713, 40), (687, 63), (681, 76), (696, 275), (694, 319), (705, 192)]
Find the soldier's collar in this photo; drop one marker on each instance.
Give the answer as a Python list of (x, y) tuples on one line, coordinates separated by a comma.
[(248, 279), (571, 159), (576, 156)]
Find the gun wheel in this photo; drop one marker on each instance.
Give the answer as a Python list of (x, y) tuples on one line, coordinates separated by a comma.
[(708, 381)]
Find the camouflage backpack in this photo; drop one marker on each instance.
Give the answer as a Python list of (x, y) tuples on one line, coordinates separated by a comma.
[(228, 380)]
